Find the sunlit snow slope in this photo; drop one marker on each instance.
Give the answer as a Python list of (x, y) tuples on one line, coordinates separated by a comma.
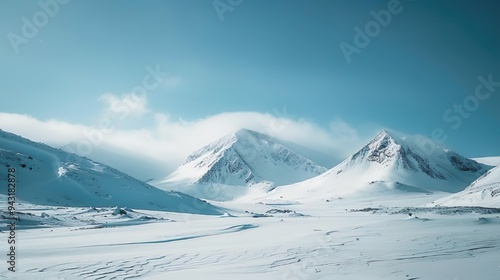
[(485, 192), (49, 176)]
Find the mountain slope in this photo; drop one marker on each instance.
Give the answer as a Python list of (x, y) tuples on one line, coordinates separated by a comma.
[(49, 176), (493, 161), (240, 159), (390, 162), (484, 192)]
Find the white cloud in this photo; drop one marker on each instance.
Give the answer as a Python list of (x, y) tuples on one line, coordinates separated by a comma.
[(159, 149), (49, 131), (125, 105), (343, 132)]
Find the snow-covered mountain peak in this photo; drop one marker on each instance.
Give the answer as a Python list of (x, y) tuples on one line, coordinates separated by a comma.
[(247, 133), (380, 149), (402, 153), (243, 158), (383, 135), (385, 149), (217, 148), (390, 159)]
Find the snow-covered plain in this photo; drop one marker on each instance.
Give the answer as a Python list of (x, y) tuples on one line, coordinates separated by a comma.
[(364, 237)]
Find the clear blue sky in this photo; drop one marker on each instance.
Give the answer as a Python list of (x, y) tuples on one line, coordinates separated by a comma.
[(264, 55)]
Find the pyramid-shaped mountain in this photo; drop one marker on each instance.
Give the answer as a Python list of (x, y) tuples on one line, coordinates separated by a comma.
[(390, 161), (242, 158)]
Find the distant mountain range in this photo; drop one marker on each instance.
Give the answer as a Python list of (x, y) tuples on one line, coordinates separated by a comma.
[(251, 166)]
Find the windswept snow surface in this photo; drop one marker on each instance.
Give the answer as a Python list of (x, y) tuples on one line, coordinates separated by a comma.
[(229, 167), (49, 176), (370, 237), (388, 163)]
